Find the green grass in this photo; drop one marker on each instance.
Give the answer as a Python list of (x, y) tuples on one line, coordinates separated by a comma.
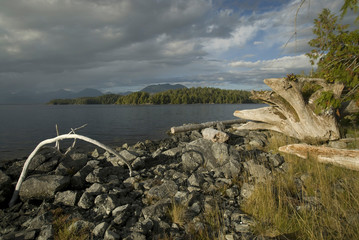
[(354, 134)]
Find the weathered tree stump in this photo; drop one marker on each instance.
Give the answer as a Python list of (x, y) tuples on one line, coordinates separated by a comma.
[(292, 112)]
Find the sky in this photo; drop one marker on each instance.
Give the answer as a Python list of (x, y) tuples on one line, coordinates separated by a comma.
[(125, 45)]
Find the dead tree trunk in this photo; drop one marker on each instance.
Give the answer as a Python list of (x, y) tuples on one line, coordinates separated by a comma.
[(340, 157), (292, 113)]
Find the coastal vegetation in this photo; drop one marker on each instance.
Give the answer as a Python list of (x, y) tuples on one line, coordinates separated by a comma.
[(177, 96), (335, 51), (310, 200), (311, 108)]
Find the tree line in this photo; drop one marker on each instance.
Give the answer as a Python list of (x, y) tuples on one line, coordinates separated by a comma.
[(179, 96)]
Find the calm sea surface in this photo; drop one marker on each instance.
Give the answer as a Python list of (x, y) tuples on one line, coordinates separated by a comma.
[(22, 127)]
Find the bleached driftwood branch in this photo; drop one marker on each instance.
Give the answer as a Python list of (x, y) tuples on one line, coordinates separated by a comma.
[(339, 157), (57, 139), (191, 127)]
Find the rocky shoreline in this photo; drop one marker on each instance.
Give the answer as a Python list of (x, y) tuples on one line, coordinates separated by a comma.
[(182, 187)]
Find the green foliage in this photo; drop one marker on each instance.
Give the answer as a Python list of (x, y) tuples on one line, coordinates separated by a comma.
[(292, 77), (349, 4), (104, 99), (134, 98), (326, 100), (178, 96), (308, 89), (336, 51), (200, 95)]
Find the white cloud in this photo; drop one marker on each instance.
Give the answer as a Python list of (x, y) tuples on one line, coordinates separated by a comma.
[(178, 48), (245, 64), (278, 65), (257, 42), (239, 37)]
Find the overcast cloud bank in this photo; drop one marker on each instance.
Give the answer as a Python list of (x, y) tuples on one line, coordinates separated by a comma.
[(120, 45)]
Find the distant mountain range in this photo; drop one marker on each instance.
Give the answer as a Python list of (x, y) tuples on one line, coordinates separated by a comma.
[(27, 97)]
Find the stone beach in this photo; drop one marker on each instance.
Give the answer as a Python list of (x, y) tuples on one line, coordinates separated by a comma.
[(95, 191)]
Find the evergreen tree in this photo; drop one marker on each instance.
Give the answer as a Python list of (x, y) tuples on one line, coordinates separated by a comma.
[(336, 52)]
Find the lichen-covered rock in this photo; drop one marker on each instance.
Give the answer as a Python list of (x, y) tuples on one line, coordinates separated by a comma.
[(100, 229), (157, 210), (43, 187), (259, 172), (67, 198), (166, 189), (86, 201), (70, 165)]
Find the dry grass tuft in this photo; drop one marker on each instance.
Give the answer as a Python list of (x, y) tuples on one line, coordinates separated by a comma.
[(178, 213), (62, 229), (309, 201)]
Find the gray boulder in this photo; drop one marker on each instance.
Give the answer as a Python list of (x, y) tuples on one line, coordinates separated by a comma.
[(78, 180), (111, 235), (259, 172), (86, 201), (105, 203), (196, 154), (158, 210), (70, 165), (48, 166), (167, 189), (36, 162), (43, 187), (67, 198), (247, 190), (47, 232), (220, 154), (121, 214), (100, 229)]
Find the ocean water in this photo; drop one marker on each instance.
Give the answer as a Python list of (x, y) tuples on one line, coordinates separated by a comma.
[(22, 127)]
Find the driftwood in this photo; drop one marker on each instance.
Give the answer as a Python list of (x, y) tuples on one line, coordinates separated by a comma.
[(290, 113), (214, 135), (56, 140), (340, 157), (191, 127)]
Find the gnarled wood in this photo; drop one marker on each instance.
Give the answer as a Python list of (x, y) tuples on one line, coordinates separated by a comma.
[(340, 157), (291, 114)]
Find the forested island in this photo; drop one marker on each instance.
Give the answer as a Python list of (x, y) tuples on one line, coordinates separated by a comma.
[(177, 96)]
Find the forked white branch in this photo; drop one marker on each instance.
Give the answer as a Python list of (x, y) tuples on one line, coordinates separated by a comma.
[(57, 139)]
